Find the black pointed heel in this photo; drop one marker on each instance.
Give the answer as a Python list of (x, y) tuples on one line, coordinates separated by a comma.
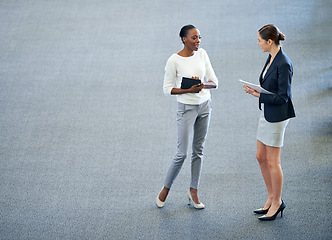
[(261, 211), (273, 217)]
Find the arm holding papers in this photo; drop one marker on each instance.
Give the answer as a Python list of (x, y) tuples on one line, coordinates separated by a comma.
[(255, 87), (251, 90)]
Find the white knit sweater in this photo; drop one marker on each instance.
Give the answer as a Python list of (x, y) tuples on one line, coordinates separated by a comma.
[(197, 65)]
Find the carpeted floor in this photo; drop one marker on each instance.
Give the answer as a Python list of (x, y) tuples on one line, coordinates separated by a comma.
[(86, 134)]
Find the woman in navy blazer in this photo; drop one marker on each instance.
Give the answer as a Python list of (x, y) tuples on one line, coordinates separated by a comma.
[(276, 77), (277, 106)]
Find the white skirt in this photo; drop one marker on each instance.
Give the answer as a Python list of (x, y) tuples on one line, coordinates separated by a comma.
[(271, 134)]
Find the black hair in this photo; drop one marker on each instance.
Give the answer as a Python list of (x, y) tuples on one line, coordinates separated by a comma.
[(269, 31), (184, 31)]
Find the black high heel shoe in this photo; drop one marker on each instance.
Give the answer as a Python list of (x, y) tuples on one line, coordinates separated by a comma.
[(261, 211), (281, 209)]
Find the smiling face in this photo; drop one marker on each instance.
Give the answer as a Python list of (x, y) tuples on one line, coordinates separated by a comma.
[(265, 45), (192, 40)]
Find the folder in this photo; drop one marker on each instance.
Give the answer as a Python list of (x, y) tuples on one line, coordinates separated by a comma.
[(189, 82)]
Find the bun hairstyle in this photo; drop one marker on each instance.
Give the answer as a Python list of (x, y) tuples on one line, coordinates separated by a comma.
[(269, 31), (184, 31)]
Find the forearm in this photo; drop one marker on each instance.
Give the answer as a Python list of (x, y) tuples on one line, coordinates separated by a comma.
[(210, 84), (273, 99), (194, 89), (176, 91)]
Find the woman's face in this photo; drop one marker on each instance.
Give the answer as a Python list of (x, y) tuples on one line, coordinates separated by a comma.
[(193, 39), (263, 43)]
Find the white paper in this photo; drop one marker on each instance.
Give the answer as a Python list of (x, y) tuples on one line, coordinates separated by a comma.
[(256, 87)]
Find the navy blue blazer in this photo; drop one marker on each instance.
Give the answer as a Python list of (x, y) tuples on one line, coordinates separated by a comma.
[(278, 78)]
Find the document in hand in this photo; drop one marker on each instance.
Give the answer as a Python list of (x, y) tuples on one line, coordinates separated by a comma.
[(257, 88), (189, 82)]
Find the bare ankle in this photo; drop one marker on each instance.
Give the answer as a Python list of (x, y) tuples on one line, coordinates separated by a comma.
[(268, 203), (163, 194)]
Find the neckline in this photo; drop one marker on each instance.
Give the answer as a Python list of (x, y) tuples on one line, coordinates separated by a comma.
[(188, 56)]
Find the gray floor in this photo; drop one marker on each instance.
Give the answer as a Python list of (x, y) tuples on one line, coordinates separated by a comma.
[(86, 134)]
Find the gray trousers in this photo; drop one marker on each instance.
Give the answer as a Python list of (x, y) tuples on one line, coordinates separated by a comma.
[(196, 119)]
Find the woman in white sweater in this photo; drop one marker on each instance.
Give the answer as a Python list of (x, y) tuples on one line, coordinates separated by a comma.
[(194, 109)]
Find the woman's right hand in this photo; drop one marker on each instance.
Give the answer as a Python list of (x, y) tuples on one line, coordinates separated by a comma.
[(196, 88), (251, 91)]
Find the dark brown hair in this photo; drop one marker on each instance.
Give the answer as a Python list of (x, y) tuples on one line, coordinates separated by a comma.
[(269, 31)]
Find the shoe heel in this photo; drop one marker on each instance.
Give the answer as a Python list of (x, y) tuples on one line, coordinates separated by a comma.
[(189, 200), (281, 210), (197, 206)]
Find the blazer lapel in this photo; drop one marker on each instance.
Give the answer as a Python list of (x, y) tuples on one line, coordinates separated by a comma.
[(272, 66), (266, 63), (269, 71)]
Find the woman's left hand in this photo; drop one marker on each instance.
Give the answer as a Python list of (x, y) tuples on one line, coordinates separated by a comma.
[(210, 84), (251, 91)]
